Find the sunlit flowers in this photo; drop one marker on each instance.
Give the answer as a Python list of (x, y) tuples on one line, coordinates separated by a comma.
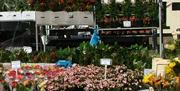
[(156, 81), (148, 78), (173, 67), (31, 73)]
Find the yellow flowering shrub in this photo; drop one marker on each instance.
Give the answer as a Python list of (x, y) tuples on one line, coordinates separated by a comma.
[(167, 82), (173, 68), (155, 81)]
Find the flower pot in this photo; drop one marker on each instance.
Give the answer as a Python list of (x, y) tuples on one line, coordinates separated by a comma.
[(107, 19)]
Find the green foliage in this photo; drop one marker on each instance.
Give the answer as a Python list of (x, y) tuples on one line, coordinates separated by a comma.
[(13, 5), (127, 8), (134, 57), (5, 56), (152, 9), (172, 49), (21, 87), (66, 53), (138, 9)]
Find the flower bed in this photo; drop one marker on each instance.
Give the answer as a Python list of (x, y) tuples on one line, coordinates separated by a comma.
[(87, 78)]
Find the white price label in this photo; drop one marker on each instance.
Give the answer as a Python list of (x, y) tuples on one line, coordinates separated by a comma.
[(147, 71), (16, 64), (106, 61), (127, 23)]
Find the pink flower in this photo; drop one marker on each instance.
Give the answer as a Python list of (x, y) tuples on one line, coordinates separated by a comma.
[(13, 84), (37, 67), (20, 77), (27, 67), (12, 73)]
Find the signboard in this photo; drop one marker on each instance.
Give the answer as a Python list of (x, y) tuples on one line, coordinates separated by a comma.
[(106, 61), (127, 23), (16, 64), (160, 70), (147, 71)]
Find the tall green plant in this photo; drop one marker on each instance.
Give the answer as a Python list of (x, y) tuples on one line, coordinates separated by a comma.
[(127, 8), (139, 10), (152, 9), (66, 53), (85, 53)]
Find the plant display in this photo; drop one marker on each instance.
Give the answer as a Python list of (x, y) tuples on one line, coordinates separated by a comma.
[(159, 83), (141, 13), (30, 77), (138, 56), (172, 49), (85, 78), (44, 5), (169, 82), (173, 68), (118, 12)]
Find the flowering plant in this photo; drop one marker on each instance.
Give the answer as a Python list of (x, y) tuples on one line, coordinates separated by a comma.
[(87, 78), (173, 68), (157, 82), (91, 78), (168, 81), (28, 77)]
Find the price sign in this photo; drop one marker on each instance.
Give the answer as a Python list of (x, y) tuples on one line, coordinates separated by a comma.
[(147, 71), (106, 61), (127, 23), (16, 64)]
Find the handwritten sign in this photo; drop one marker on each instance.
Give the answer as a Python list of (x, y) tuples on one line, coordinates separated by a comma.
[(16, 64)]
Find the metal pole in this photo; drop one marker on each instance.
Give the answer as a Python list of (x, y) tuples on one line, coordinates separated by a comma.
[(105, 72), (94, 15), (36, 35), (160, 30)]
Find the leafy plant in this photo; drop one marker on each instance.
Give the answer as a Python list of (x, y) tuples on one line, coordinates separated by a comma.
[(127, 8), (138, 9), (172, 49), (66, 53)]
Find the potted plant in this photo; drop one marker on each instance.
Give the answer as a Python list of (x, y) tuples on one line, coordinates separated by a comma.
[(127, 8), (139, 12), (173, 69), (152, 11)]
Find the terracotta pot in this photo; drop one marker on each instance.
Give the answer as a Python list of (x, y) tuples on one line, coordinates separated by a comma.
[(107, 19)]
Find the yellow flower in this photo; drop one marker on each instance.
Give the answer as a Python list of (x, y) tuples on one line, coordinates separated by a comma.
[(172, 64), (168, 70), (147, 78), (178, 61)]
